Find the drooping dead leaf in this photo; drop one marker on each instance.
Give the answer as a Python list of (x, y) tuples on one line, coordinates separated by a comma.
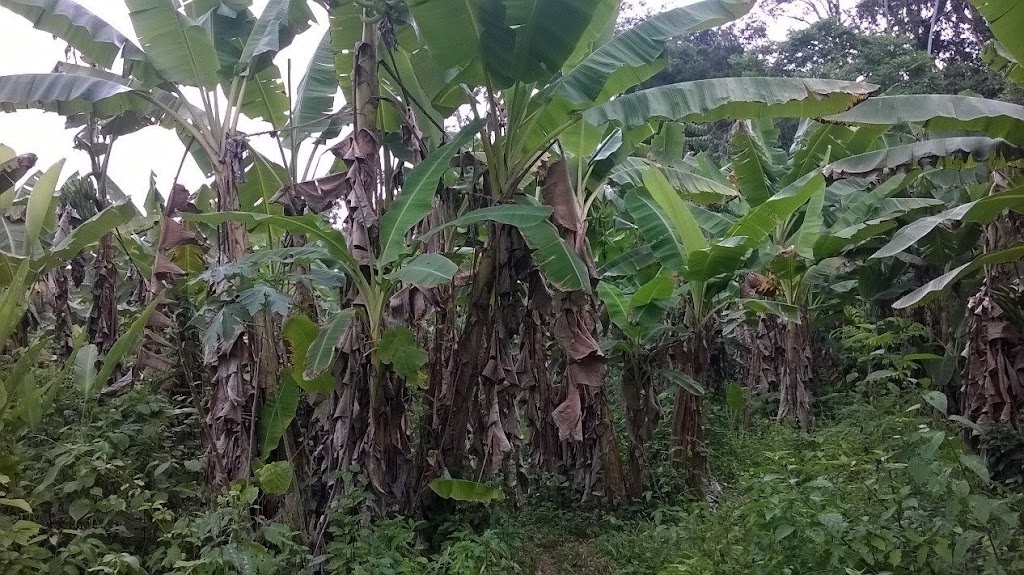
[(559, 194), (178, 202), (174, 234), (568, 416), (598, 463), (166, 270), (318, 195), (993, 382)]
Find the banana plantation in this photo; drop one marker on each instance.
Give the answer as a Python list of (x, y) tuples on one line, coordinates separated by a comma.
[(517, 286)]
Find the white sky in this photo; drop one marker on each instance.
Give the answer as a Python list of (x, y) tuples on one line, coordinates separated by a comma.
[(155, 149)]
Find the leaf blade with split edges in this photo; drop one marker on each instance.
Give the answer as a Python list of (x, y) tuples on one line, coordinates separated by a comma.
[(320, 353)]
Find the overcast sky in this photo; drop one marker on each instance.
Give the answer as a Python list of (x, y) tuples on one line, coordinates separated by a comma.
[(155, 149)]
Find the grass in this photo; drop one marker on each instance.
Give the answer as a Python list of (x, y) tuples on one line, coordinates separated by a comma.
[(861, 493)]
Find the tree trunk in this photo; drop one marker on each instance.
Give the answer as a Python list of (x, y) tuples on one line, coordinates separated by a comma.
[(439, 338), (480, 385), (453, 406), (57, 281), (499, 437), (366, 423), (342, 436), (795, 394), (103, 315), (764, 365), (582, 417), (937, 10), (233, 397), (541, 392), (993, 377), (640, 396), (764, 362), (389, 460), (693, 357)]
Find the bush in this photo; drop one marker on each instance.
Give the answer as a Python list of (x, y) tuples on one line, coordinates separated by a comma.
[(874, 491)]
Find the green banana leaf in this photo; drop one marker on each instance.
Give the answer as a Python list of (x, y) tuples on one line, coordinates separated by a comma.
[(417, 197), (85, 371), (1004, 18), (932, 289), (818, 144), (691, 186), (277, 413), (981, 211), (425, 270), (721, 258), (321, 352), (500, 42), (632, 57), (145, 114), (752, 164), (88, 233), (480, 46), (346, 29), (126, 343), (618, 308), (518, 215), (656, 228), (560, 265), (669, 201), (811, 227), (660, 287), (599, 31), (546, 34), (463, 490), (178, 48), (942, 113), (964, 151), (264, 97), (628, 263), (716, 99), (277, 26), (68, 95), (302, 333), (315, 96), (759, 222), (84, 31), (313, 226), (999, 59)]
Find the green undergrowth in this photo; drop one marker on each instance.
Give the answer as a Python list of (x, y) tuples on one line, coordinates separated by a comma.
[(873, 489), (882, 488)]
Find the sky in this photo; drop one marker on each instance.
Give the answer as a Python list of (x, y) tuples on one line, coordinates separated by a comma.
[(153, 149)]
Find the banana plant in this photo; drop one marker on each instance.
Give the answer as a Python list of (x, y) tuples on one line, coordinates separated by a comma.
[(810, 254), (1006, 50), (769, 198), (29, 228), (223, 52), (396, 264), (704, 264), (636, 305), (996, 140), (988, 150), (549, 76), (33, 244)]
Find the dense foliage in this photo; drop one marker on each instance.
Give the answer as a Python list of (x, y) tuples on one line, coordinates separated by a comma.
[(576, 294)]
